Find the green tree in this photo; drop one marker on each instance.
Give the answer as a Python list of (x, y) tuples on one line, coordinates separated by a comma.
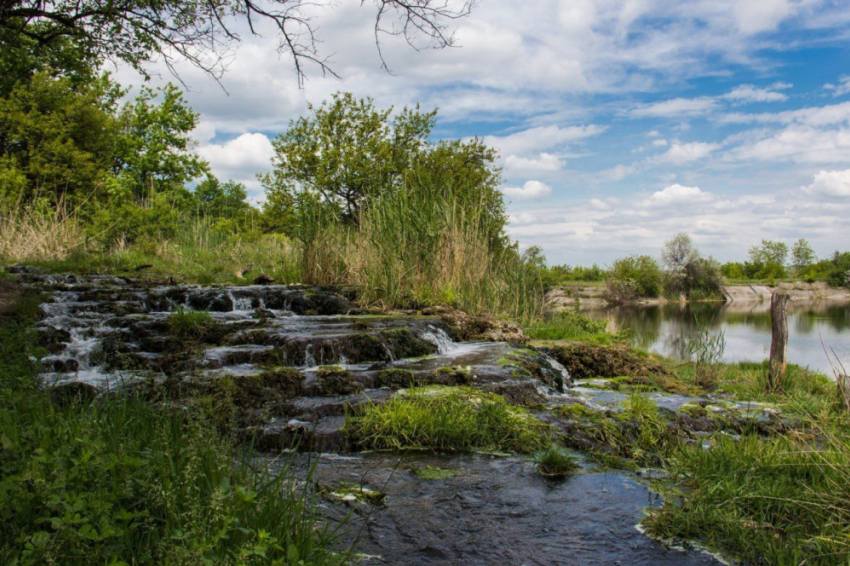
[(633, 277), (768, 259), (222, 200), (56, 140), (802, 257), (137, 31), (348, 151), (688, 273), (154, 150)]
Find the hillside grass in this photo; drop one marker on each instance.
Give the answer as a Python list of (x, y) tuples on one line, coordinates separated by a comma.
[(115, 480)]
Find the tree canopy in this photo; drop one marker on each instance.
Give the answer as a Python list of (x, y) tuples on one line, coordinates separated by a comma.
[(136, 31)]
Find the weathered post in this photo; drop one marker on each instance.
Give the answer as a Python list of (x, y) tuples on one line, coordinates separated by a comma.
[(778, 341)]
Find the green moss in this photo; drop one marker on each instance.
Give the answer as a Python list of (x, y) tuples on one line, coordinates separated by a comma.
[(435, 473), (576, 411), (447, 418), (395, 378), (336, 380)]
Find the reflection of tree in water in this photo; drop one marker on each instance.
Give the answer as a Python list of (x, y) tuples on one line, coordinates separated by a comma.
[(685, 322), (668, 328)]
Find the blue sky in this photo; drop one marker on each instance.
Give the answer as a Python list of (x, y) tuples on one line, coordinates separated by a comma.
[(619, 122)]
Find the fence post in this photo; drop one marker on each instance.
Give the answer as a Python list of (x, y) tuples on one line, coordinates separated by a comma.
[(778, 341)]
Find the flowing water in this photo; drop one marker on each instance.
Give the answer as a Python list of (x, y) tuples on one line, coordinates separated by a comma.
[(109, 331), (665, 329)]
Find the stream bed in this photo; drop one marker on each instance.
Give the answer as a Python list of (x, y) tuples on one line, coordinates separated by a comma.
[(279, 342)]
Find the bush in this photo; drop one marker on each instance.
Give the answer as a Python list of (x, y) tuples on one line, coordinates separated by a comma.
[(639, 273)]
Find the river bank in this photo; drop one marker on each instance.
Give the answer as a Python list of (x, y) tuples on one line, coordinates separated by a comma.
[(593, 296)]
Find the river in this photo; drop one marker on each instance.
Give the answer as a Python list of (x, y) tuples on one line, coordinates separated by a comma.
[(746, 327)]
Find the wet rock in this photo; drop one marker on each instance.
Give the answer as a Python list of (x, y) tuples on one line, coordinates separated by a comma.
[(590, 360), (336, 380), (530, 363), (213, 300), (263, 279), (324, 435), (478, 327), (61, 365), (53, 339), (395, 378), (522, 393)]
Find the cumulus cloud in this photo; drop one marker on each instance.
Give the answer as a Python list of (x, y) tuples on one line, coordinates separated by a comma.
[(530, 190), (830, 184), (240, 159), (677, 194), (543, 162)]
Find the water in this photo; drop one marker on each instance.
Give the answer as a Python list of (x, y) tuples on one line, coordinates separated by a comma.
[(664, 329), (496, 511)]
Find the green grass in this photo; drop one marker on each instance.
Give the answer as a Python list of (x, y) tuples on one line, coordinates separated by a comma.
[(554, 461), (189, 324), (567, 325), (778, 501), (448, 419), (115, 480)]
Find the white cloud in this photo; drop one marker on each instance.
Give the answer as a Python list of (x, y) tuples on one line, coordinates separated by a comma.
[(678, 195), (830, 184), (675, 108), (681, 153), (240, 159), (754, 16), (750, 93), (660, 143), (529, 191), (598, 204), (842, 88), (543, 162), (540, 138)]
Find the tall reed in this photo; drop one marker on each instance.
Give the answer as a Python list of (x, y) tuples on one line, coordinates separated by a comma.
[(28, 233), (421, 245)]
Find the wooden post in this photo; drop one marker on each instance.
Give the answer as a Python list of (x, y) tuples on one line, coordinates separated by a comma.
[(779, 340)]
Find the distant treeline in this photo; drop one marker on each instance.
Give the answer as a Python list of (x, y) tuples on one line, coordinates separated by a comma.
[(682, 270)]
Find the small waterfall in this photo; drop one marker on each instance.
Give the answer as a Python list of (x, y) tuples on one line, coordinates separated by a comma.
[(309, 360), (439, 338), (241, 304)]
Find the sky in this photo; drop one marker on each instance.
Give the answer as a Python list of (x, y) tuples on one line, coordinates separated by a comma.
[(619, 122)]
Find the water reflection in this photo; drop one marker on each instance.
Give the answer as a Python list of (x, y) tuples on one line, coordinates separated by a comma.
[(665, 328)]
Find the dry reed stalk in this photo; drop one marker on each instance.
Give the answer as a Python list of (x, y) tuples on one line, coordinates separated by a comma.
[(27, 235)]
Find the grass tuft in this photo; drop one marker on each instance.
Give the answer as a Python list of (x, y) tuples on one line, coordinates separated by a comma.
[(449, 419)]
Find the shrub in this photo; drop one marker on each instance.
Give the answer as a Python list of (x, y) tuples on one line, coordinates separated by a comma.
[(640, 273)]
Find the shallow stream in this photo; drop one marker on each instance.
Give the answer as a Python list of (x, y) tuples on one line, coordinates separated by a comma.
[(496, 510)]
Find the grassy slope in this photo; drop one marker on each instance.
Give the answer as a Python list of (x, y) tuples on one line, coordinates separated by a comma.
[(119, 481)]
